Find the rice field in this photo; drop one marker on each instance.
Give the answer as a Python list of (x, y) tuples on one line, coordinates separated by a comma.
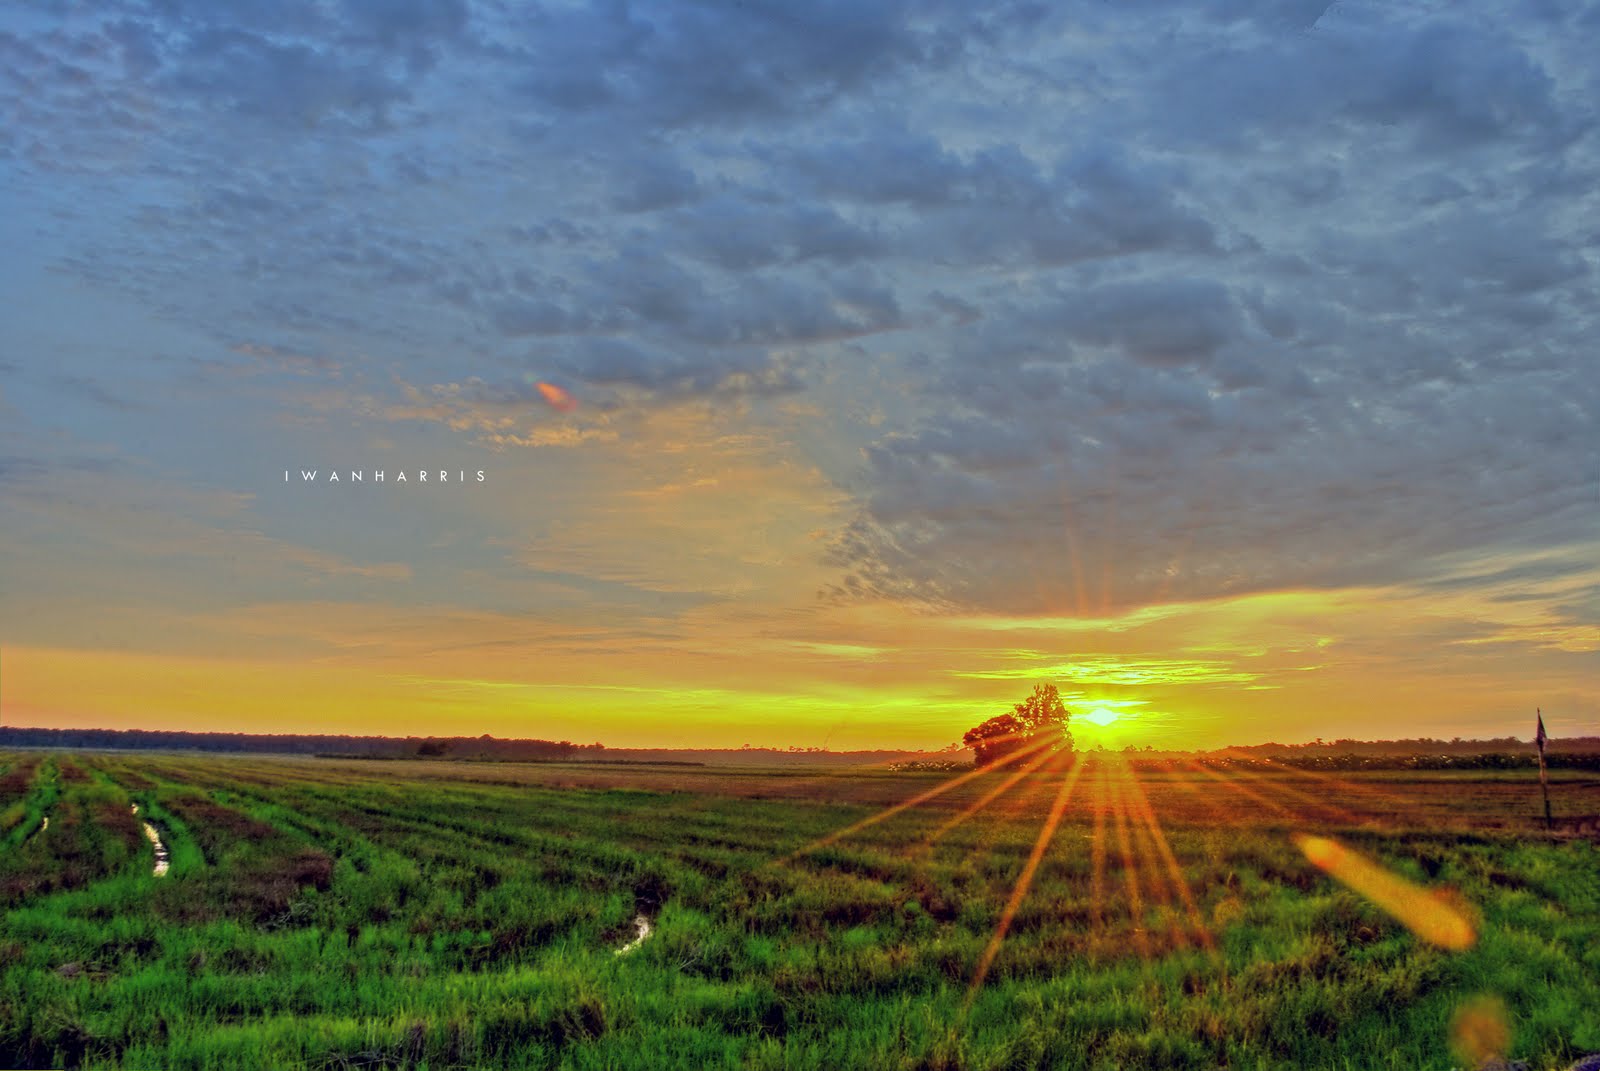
[(348, 914)]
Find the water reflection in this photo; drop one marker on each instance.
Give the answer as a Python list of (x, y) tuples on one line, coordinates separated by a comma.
[(642, 926), (163, 860)]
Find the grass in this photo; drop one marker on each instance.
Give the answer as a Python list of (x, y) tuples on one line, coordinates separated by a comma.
[(332, 914)]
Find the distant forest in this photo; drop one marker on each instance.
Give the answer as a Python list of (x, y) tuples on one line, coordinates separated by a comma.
[(1421, 745), (480, 748), (366, 747), (1505, 753), (1423, 753)]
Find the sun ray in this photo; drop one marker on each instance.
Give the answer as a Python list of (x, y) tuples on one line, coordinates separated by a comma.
[(1164, 849), (1174, 569), (1073, 557), (990, 796), (1130, 875), (1269, 784), (1231, 783), (1163, 892), (1187, 785), (1108, 524), (853, 772), (1097, 851), (919, 798), (1389, 798), (1019, 891)]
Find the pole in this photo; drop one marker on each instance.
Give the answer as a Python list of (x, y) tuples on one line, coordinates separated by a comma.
[(1544, 781)]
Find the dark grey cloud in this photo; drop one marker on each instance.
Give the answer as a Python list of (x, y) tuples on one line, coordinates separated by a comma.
[(291, 85), (674, 65)]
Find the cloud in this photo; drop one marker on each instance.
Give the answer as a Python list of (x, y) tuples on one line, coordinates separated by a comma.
[(671, 65), (1102, 308)]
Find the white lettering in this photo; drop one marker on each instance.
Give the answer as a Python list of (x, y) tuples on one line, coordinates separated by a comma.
[(380, 476)]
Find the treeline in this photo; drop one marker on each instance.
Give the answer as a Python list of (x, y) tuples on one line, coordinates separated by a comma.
[(433, 747), (365, 747), (1421, 745), (1494, 760), (1506, 753)]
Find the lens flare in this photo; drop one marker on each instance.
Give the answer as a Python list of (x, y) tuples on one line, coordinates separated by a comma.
[(559, 400), (1425, 913), (1480, 1031), (1101, 716)]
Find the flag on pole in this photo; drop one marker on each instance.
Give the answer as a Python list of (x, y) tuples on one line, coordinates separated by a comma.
[(1539, 737)]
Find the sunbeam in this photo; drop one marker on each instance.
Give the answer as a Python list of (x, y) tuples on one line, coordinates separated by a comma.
[(1130, 875), (921, 797), (1187, 786), (1019, 891), (1164, 849), (989, 797), (1397, 802), (1097, 850), (1268, 784), (1152, 881), (1233, 785)]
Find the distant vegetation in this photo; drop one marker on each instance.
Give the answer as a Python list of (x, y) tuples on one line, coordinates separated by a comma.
[(299, 744), (1423, 753), (480, 748), (1039, 716)]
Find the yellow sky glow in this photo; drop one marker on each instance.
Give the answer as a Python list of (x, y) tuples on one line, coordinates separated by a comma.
[(659, 584)]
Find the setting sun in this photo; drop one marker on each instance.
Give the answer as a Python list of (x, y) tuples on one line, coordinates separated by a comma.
[(1101, 716)]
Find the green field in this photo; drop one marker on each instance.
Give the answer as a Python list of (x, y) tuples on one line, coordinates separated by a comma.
[(350, 914)]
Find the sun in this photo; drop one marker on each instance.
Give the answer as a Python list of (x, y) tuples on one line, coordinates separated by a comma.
[(1101, 716)]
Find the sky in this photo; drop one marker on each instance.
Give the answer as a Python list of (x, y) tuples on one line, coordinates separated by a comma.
[(837, 371)]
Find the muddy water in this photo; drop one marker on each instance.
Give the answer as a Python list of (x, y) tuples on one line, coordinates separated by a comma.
[(163, 860), (642, 926)]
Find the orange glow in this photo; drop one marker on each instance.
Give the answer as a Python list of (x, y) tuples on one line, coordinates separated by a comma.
[(1425, 913), (558, 399), (648, 576), (333, 646)]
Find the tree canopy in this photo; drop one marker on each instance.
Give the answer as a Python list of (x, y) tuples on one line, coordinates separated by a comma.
[(1038, 723)]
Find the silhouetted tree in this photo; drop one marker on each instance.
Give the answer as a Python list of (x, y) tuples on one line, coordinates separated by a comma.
[(1043, 713), (1041, 719), (994, 739)]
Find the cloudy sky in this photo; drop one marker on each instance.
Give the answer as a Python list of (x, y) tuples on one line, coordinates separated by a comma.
[(1231, 365)]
